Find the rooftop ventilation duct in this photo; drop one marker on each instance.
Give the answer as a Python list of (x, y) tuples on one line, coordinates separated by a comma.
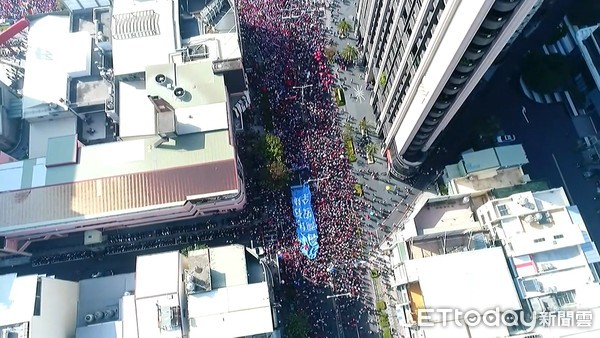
[(99, 315), (160, 79), (179, 92)]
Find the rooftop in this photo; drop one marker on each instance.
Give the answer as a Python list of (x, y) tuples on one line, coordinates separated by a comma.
[(53, 55), (492, 158), (199, 270), (478, 280), (145, 29), (102, 294), (445, 214), (228, 266), (235, 311), (503, 178), (150, 190), (17, 298), (157, 274)]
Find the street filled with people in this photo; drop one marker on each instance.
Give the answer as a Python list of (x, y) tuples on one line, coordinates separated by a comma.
[(284, 48), (17, 9)]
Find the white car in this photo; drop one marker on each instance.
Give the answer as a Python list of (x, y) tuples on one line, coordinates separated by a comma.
[(505, 138)]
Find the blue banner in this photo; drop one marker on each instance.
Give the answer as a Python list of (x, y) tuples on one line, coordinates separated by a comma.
[(306, 226)]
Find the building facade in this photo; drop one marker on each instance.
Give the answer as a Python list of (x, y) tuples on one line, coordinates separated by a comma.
[(424, 57)]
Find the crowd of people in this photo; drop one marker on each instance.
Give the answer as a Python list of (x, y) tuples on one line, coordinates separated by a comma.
[(292, 73), (306, 120), (17, 9)]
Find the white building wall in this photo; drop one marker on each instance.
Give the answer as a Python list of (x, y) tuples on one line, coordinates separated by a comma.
[(458, 24), (58, 313)]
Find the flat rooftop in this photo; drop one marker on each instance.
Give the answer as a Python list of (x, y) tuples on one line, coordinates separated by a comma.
[(53, 55), (235, 311), (533, 212), (502, 179), (477, 280), (228, 266), (157, 274), (145, 29), (445, 214), (494, 158), (102, 294)]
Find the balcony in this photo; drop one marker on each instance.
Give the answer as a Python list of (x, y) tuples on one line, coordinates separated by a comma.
[(474, 53), (465, 66), (442, 104), (431, 122), (436, 113), (494, 21), (418, 141), (451, 89), (426, 129), (505, 5), (458, 78), (484, 37)]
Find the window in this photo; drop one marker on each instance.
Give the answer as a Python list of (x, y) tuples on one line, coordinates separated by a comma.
[(539, 240), (565, 298), (503, 210), (559, 236)]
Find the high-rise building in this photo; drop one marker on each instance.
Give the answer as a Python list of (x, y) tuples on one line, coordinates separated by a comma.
[(424, 57)]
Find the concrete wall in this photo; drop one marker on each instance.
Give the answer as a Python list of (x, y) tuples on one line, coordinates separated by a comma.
[(58, 313)]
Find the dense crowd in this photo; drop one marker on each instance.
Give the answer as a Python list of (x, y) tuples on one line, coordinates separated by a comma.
[(17, 9), (285, 53)]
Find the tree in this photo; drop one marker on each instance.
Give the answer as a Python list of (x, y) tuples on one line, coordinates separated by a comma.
[(584, 13), (363, 125), (383, 79), (343, 27), (297, 326), (277, 175), (330, 53), (349, 53), (370, 149), (546, 73), (348, 130), (273, 148)]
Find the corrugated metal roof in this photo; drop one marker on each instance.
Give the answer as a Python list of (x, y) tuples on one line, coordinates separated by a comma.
[(115, 194)]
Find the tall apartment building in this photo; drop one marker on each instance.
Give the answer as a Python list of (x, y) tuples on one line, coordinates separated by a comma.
[(424, 58)]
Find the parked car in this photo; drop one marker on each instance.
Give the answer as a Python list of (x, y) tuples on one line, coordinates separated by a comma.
[(102, 274), (505, 138)]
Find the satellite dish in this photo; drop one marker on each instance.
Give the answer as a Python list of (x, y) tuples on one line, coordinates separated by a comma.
[(160, 78), (179, 92)]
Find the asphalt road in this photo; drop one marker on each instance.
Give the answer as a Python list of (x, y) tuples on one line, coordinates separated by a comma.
[(546, 132)]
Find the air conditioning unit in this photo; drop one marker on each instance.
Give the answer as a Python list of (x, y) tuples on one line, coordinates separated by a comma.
[(89, 318)]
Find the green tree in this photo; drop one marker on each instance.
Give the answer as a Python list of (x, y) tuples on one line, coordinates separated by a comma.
[(272, 148), (546, 73), (349, 53), (370, 149), (363, 125), (276, 174), (344, 27), (584, 13), (297, 326), (383, 79)]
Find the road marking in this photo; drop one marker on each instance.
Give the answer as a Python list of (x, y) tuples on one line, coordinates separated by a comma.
[(524, 112), (562, 177)]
